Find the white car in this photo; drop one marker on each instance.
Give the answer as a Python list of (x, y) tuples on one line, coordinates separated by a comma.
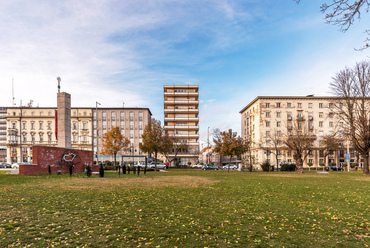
[(232, 167), (197, 166), (159, 165), (16, 165)]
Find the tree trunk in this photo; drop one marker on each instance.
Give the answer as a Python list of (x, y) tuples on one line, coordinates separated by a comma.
[(155, 163), (299, 163), (366, 164), (228, 167)]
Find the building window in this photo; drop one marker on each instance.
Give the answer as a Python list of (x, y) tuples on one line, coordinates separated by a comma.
[(140, 125), (24, 138), (84, 125), (278, 133), (49, 113), (278, 124), (104, 124), (41, 114), (85, 114), (299, 105), (41, 137), (131, 116), (104, 116), (14, 150), (320, 105), (288, 105), (277, 105), (330, 115), (113, 123), (267, 123), (49, 137), (330, 124), (278, 114), (49, 125), (341, 124), (310, 105), (340, 105), (41, 126), (299, 125), (321, 114), (140, 133), (24, 125), (32, 126), (140, 116), (84, 138), (320, 124), (24, 150), (74, 125), (267, 133), (113, 116), (131, 134), (122, 124), (32, 137), (131, 125), (267, 105), (122, 115), (330, 105), (267, 114)]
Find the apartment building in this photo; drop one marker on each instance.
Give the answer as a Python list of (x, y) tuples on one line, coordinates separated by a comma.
[(132, 122), (29, 126), (181, 120), (268, 116), (3, 134)]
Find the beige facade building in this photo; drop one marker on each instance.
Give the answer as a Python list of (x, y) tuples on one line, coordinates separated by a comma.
[(29, 126), (132, 122), (181, 120), (274, 116)]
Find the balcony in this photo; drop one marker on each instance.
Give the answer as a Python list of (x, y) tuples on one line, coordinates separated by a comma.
[(310, 118), (290, 127), (194, 136), (12, 142), (181, 102), (289, 118), (300, 118), (182, 127), (186, 110), (181, 93), (196, 119)]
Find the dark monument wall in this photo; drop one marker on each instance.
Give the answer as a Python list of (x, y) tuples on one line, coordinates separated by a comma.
[(43, 156)]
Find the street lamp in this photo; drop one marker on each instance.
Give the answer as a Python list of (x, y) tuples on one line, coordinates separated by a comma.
[(97, 132)]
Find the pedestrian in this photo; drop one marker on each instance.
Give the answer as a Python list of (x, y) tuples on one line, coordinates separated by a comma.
[(167, 165)]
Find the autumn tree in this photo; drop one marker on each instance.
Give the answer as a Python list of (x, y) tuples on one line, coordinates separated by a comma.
[(227, 144), (343, 13), (154, 139), (300, 142), (352, 108), (172, 147), (114, 141)]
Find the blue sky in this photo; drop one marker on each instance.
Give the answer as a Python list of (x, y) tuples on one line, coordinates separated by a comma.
[(125, 51)]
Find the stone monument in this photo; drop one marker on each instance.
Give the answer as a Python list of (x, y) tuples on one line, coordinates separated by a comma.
[(63, 118)]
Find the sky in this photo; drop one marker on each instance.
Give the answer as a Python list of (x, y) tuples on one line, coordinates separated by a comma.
[(121, 53)]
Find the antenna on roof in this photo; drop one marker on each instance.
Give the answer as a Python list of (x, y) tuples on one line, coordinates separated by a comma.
[(13, 98)]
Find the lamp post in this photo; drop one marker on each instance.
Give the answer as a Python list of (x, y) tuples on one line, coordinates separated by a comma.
[(97, 132), (208, 146)]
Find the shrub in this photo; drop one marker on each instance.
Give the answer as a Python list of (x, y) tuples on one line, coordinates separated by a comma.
[(322, 164), (189, 163), (332, 164), (288, 167), (265, 166), (310, 164), (353, 165)]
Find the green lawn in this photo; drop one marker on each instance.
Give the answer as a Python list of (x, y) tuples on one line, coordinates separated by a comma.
[(186, 209)]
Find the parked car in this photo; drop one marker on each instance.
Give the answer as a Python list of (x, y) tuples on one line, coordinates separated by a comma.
[(232, 167), (159, 165), (334, 168), (2, 165), (210, 167), (8, 165), (196, 166), (16, 165)]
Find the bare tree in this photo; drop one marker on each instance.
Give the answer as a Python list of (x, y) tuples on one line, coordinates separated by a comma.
[(343, 13), (273, 143), (301, 143), (353, 107), (330, 143)]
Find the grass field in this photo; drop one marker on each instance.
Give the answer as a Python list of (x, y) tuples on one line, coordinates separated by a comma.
[(186, 209)]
